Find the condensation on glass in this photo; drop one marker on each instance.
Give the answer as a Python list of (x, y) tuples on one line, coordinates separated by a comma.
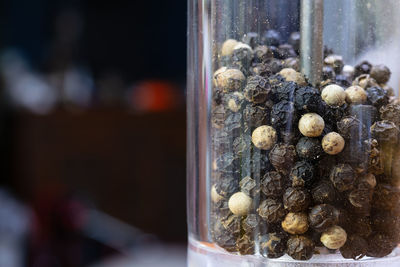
[(293, 133)]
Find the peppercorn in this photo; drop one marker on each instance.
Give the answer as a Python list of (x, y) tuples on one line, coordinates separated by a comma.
[(215, 197), (351, 128), (245, 245), (271, 210), (240, 203), (389, 90), (328, 73), (322, 217), (342, 80), (282, 157), (391, 112), (233, 123), (285, 91), (273, 245), (307, 99), (343, 177), (363, 68), (355, 95), (255, 116), (334, 238), (262, 53), (275, 65), (377, 96), (273, 184), (386, 197), (332, 114), (290, 138), (285, 51), (309, 148), (361, 226), (250, 224), (262, 69), (242, 52), (251, 38), (359, 201), (333, 95), (333, 143), (294, 40), (290, 75), (355, 248), (365, 81), (224, 238), (380, 245), (380, 73), (323, 192), (283, 115), (296, 199), (387, 222), (367, 181), (229, 80), (234, 101), (335, 61), (221, 209), (302, 174), (271, 37), (311, 125), (264, 137), (385, 131), (231, 223), (367, 114), (228, 46), (241, 145), (257, 89), (295, 223), (348, 71), (249, 186), (226, 185), (300, 247), (292, 62), (218, 117)]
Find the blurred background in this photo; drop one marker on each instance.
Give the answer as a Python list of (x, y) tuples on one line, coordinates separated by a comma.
[(92, 133)]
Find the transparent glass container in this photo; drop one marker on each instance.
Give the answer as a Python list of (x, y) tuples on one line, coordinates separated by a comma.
[(293, 118)]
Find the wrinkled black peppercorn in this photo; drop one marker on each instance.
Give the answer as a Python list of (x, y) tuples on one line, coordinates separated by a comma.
[(307, 99), (300, 247), (245, 245), (380, 73), (324, 192), (377, 96), (273, 245), (386, 197), (385, 131), (250, 224), (296, 199), (302, 174), (362, 68), (226, 185), (343, 177), (283, 115), (271, 37), (271, 210), (355, 248), (257, 89), (255, 116), (351, 127), (282, 157), (285, 91), (309, 148), (262, 53), (322, 217), (273, 184), (380, 245)]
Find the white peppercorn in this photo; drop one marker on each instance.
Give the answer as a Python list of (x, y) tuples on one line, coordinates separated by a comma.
[(291, 75), (311, 125), (228, 46), (334, 238), (356, 95), (333, 95), (333, 143), (240, 203), (264, 137)]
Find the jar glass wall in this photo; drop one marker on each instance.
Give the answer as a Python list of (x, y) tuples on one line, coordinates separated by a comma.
[(293, 132)]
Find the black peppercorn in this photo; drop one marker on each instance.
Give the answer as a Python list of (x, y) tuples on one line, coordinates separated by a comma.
[(359, 201), (361, 226), (255, 116), (367, 114), (309, 148), (322, 217), (302, 174), (332, 114), (336, 62), (362, 68), (343, 177), (328, 73), (290, 138), (262, 69), (296, 199), (283, 115), (380, 73), (257, 89), (285, 51), (351, 128), (355, 248), (307, 99), (226, 185), (250, 224), (245, 245), (391, 112), (251, 38), (275, 65), (273, 245), (218, 116), (300, 247), (285, 91), (271, 37), (380, 245), (224, 238), (342, 80), (262, 53), (387, 222), (323, 192), (386, 197), (282, 157), (273, 184), (241, 145), (249, 186), (385, 131), (271, 210), (233, 123), (377, 96)]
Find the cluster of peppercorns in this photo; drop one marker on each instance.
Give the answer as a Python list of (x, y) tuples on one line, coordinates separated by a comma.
[(296, 167)]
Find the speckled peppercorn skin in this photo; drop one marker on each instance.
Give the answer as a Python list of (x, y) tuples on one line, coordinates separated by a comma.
[(273, 184), (300, 247), (282, 157), (271, 210)]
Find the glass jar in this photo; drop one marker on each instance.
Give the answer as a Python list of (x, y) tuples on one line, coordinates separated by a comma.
[(293, 133)]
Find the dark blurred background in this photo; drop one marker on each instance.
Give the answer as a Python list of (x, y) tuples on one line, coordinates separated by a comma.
[(92, 133)]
